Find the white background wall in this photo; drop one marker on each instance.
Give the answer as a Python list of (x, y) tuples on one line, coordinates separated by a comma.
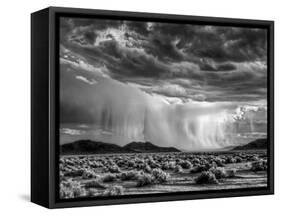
[(15, 107)]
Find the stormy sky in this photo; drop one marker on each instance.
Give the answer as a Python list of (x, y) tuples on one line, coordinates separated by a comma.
[(193, 87)]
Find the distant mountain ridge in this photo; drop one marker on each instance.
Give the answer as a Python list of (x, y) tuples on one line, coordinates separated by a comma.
[(256, 144), (148, 147), (94, 147)]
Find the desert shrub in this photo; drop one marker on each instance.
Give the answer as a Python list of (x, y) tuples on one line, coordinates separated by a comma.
[(147, 168), (231, 173), (130, 175), (198, 169), (62, 177), (110, 162), (259, 165), (195, 161), (165, 166), (91, 192), (172, 165), (206, 177), (95, 183), (154, 165), (79, 191), (145, 179), (230, 159), (219, 172), (254, 158), (69, 162), (151, 162), (219, 162), (121, 163), (87, 174), (131, 164), (204, 162), (238, 159), (169, 165), (71, 189), (159, 175), (139, 160), (114, 169), (114, 191), (185, 164), (140, 166), (178, 169), (65, 191), (94, 164), (74, 173), (109, 178)]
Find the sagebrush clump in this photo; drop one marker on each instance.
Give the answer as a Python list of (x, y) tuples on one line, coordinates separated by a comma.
[(159, 175), (219, 172), (88, 174), (109, 178), (71, 189), (95, 183), (114, 191), (259, 165), (92, 192), (144, 180), (178, 169), (206, 177), (231, 173), (130, 175), (74, 173), (114, 169), (198, 169), (185, 164)]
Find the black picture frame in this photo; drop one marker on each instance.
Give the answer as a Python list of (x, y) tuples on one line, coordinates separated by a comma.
[(45, 107)]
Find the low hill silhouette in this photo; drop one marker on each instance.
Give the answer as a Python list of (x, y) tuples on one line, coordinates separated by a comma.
[(148, 147), (95, 147), (254, 145)]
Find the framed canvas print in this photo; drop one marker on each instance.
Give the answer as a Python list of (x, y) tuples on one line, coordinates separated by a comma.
[(139, 107)]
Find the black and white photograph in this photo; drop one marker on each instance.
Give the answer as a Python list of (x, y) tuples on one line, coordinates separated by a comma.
[(155, 107)]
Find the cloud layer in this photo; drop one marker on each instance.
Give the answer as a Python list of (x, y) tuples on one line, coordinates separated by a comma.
[(116, 74)]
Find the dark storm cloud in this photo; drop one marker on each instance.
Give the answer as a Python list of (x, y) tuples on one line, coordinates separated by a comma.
[(69, 24), (162, 44), (223, 44), (213, 63), (123, 63), (221, 67), (139, 27), (83, 31), (217, 43)]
